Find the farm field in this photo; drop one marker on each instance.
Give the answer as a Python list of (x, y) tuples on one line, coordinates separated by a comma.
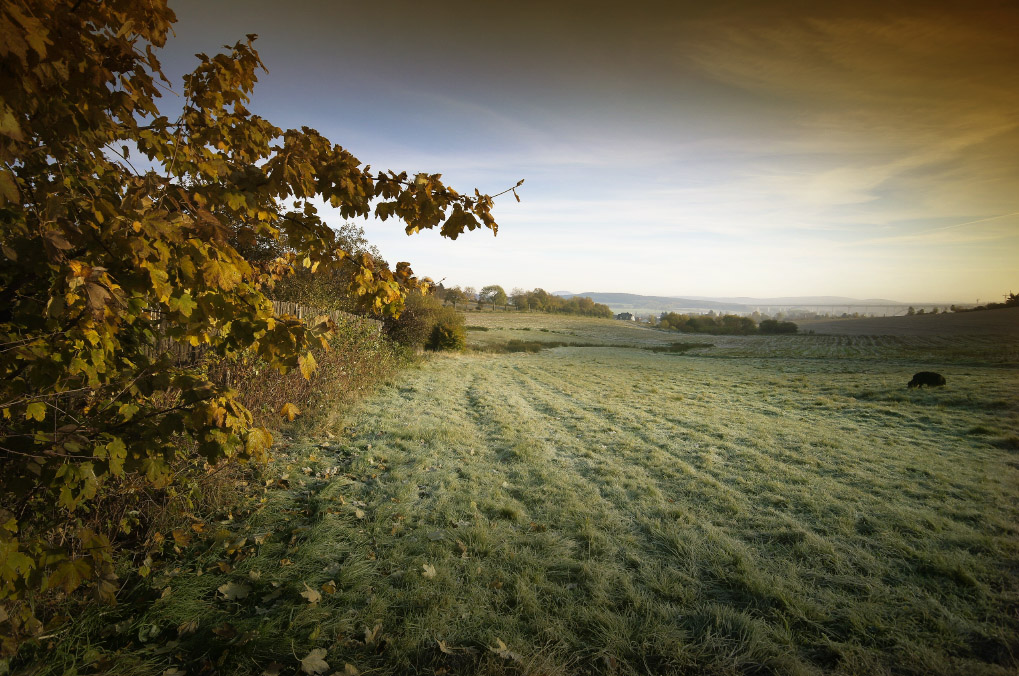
[(1001, 322), (768, 505)]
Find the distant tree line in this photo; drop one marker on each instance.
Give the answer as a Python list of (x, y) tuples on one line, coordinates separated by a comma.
[(537, 300), (729, 325), (1012, 300), (540, 300)]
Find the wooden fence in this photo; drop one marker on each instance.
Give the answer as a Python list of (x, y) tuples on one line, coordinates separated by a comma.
[(185, 353)]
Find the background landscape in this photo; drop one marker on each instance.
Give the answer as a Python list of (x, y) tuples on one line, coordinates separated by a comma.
[(240, 435)]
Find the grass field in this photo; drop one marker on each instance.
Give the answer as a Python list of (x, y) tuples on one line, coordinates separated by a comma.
[(767, 505)]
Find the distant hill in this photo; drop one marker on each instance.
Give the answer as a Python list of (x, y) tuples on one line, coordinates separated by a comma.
[(647, 305), (803, 300), (643, 305)]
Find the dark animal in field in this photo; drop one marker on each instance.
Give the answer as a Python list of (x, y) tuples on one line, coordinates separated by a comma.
[(928, 378)]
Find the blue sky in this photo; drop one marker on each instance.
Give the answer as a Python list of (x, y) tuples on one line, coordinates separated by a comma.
[(746, 148)]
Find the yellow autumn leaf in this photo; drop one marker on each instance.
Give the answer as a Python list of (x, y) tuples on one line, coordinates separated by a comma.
[(313, 663), (308, 365), (36, 410), (289, 411), (233, 590), (312, 595)]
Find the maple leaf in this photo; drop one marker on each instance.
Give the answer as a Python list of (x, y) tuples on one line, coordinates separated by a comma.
[(234, 590), (313, 662), (428, 571)]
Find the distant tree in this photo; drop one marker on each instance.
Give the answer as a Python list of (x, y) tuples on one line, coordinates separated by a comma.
[(911, 311), (493, 294), (1012, 300), (455, 295)]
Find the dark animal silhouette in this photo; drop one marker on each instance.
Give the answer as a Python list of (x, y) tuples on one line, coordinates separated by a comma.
[(928, 378)]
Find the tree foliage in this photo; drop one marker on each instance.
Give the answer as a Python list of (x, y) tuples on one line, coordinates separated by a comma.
[(493, 294), (454, 295), (100, 260), (722, 325)]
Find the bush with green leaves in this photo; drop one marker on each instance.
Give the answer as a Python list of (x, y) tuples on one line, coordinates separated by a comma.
[(449, 332), (413, 327)]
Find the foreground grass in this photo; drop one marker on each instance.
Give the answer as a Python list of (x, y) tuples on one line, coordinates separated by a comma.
[(607, 510)]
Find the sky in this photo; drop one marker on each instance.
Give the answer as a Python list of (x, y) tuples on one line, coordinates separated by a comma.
[(726, 148)]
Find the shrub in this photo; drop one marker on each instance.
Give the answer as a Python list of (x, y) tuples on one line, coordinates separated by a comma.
[(773, 326), (413, 328), (449, 332)]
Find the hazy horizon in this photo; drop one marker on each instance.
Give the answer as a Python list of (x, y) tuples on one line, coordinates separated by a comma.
[(743, 298), (675, 149)]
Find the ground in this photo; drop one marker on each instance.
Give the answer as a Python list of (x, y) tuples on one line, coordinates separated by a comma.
[(771, 504)]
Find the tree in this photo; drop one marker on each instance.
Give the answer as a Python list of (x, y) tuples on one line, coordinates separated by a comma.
[(493, 294), (456, 295), (100, 260)]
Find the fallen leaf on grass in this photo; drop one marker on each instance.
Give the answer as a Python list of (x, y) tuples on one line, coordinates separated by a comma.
[(329, 587), (225, 630), (187, 628), (428, 572), (181, 538), (313, 662), (233, 590), (312, 595), (503, 651), (372, 635), (274, 669)]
